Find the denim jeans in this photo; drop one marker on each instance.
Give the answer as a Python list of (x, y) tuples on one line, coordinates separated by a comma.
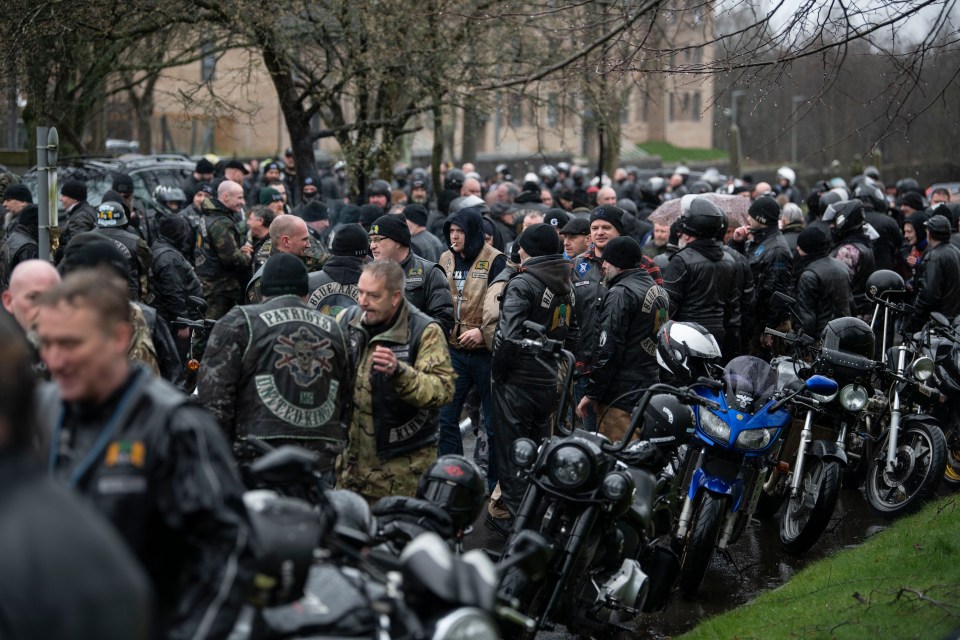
[(473, 368), (589, 423)]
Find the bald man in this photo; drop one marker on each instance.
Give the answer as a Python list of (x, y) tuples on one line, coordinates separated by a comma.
[(606, 195), (221, 264), (288, 234), (28, 281)]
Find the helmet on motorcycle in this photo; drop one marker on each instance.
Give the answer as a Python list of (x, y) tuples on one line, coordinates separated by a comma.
[(849, 335), (845, 216), (885, 285), (667, 421), (353, 512), (685, 349), (453, 180), (869, 194), (287, 531), (456, 484), (786, 173), (699, 217)]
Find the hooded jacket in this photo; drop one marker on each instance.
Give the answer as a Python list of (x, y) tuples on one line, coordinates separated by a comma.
[(855, 250), (469, 274), (702, 282), (541, 292), (174, 279)]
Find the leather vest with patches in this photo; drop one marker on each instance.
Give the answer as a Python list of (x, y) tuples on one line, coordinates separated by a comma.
[(296, 363), (468, 302), (398, 427), (14, 243)]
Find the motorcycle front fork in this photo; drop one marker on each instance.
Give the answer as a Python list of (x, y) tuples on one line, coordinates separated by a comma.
[(891, 466)]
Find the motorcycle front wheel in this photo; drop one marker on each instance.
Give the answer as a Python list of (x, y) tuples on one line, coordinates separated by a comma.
[(701, 542), (951, 476), (806, 516), (920, 462)]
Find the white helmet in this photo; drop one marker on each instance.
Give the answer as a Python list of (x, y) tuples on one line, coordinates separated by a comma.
[(786, 173)]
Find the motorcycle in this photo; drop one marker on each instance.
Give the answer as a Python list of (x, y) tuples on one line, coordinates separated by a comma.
[(199, 327), (813, 469), (319, 577), (909, 449), (940, 341), (741, 424), (593, 501)]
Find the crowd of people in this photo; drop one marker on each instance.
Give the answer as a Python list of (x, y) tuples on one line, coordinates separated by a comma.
[(365, 332)]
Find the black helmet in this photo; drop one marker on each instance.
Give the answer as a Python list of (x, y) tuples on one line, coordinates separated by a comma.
[(453, 180), (685, 349), (380, 188), (287, 531), (667, 421), (845, 216), (869, 194), (699, 217), (652, 188), (456, 484), (906, 185), (885, 285), (353, 512), (701, 186), (826, 199), (849, 335)]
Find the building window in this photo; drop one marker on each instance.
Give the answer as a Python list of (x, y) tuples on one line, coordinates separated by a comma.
[(553, 110), (696, 107), (516, 111)]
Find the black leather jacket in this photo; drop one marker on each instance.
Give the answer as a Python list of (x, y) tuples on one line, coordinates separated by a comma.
[(540, 292), (427, 289), (624, 359), (822, 293), (938, 281), (771, 264), (856, 252), (174, 280), (702, 282), (887, 246), (166, 480), (589, 291)]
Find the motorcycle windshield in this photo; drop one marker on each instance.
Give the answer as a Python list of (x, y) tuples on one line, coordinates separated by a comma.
[(749, 383)]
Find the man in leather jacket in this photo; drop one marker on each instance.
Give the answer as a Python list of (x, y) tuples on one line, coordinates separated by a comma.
[(853, 248), (823, 287), (771, 263), (402, 375), (938, 280), (156, 466), (426, 282), (700, 278), (66, 572), (633, 310), (278, 370), (524, 390)]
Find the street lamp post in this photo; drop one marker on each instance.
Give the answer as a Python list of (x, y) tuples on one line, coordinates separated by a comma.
[(736, 147), (48, 145)]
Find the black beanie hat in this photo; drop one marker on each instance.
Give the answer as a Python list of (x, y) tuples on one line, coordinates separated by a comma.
[(813, 241), (74, 189), (204, 166), (350, 214), (416, 213), (765, 210), (174, 228), (613, 215), (369, 213), (90, 250), (29, 216), (623, 253), (123, 183), (392, 226), (938, 226), (18, 192), (284, 274), (540, 240), (315, 211), (350, 240), (911, 198)]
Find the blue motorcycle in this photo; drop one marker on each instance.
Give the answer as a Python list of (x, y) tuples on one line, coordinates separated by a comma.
[(728, 462)]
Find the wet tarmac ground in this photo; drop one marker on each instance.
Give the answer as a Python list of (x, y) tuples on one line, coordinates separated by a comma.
[(754, 564)]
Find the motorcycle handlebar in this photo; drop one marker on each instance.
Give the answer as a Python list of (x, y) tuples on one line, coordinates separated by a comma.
[(685, 394)]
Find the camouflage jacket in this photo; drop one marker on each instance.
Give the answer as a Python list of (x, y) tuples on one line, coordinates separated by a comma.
[(141, 345), (220, 264), (392, 432)]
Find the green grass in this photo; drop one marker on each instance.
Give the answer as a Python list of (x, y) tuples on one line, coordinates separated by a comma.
[(903, 582), (670, 154)]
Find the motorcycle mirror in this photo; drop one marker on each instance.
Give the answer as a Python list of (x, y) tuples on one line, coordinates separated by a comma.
[(821, 385), (782, 297), (198, 303), (530, 552)]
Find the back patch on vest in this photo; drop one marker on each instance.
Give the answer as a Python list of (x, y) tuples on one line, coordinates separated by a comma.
[(306, 355), (332, 298)]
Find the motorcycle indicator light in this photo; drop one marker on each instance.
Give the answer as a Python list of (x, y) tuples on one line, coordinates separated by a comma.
[(714, 427), (922, 368), (569, 466), (523, 453), (754, 438), (616, 486), (853, 397)]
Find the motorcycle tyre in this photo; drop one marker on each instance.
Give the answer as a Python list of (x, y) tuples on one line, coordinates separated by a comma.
[(797, 539), (951, 475), (702, 542), (928, 484)]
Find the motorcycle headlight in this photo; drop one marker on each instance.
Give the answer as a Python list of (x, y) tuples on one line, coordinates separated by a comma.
[(466, 624), (754, 438), (616, 486), (569, 466), (922, 368), (713, 426), (853, 397), (523, 453)]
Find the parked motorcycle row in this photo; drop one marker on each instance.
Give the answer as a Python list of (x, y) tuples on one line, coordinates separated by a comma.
[(607, 530)]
